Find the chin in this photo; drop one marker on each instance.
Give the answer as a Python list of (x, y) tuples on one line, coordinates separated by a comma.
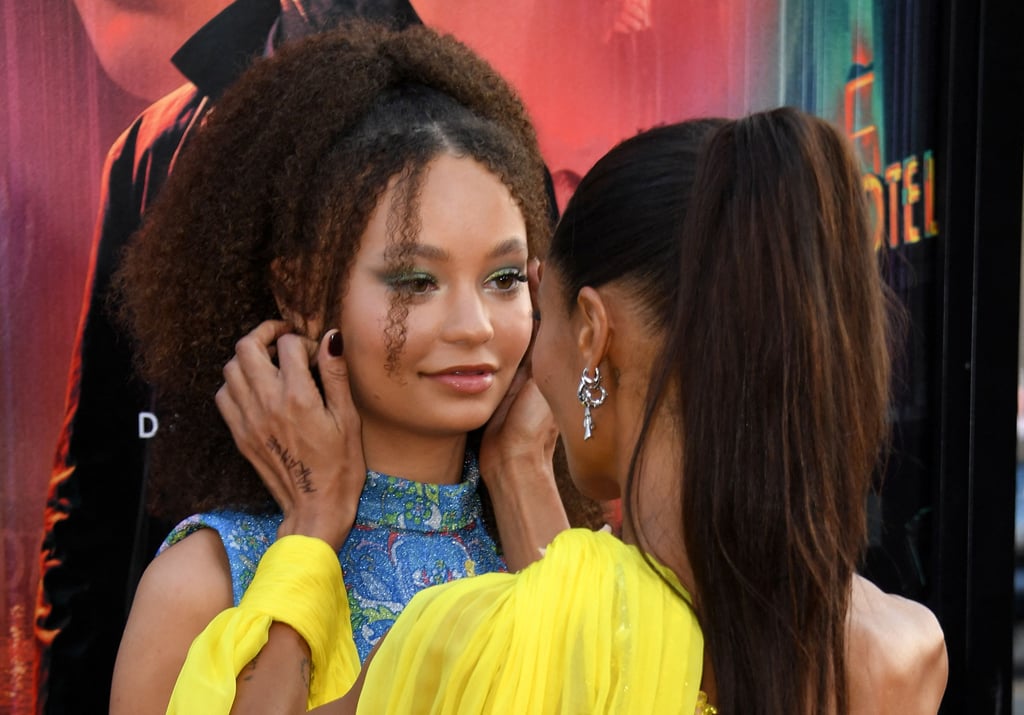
[(459, 424), (475, 417)]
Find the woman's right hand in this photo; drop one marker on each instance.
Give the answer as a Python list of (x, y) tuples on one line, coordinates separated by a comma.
[(305, 446), (516, 464)]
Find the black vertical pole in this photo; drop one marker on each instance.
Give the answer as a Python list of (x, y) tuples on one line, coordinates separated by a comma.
[(982, 140)]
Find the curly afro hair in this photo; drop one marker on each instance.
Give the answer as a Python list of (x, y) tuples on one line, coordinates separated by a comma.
[(286, 173)]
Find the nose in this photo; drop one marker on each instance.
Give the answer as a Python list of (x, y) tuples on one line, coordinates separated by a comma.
[(468, 319)]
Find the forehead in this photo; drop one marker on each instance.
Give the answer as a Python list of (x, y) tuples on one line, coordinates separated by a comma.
[(458, 204)]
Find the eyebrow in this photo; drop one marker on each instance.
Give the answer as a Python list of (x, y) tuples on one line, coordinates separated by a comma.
[(506, 248)]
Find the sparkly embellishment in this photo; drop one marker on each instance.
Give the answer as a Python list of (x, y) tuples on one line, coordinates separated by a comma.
[(406, 536), (590, 393)]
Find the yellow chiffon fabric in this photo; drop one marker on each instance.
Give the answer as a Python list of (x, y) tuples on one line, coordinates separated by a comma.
[(298, 582), (590, 628)]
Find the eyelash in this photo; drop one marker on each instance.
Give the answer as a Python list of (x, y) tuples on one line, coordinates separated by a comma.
[(405, 282), (518, 276), (417, 283)]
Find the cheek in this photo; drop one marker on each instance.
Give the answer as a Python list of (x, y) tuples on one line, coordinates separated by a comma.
[(366, 375), (541, 367), (364, 317), (520, 334), (365, 352), (514, 330), (550, 379)]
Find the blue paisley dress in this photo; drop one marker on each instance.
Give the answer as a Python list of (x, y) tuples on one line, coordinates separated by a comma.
[(407, 536)]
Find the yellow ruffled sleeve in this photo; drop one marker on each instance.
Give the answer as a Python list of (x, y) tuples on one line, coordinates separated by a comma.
[(298, 582), (590, 628)]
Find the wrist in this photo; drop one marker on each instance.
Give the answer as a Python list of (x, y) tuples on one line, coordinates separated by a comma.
[(332, 527), (298, 582), (281, 631), (513, 474)]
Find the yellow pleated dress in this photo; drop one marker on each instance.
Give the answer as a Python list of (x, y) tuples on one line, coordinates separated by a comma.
[(590, 628)]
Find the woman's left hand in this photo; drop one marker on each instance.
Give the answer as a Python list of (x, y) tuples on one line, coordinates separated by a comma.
[(306, 447)]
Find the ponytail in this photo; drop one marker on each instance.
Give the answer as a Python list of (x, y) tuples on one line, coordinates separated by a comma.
[(779, 351)]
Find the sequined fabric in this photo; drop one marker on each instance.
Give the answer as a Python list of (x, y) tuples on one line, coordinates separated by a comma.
[(407, 536)]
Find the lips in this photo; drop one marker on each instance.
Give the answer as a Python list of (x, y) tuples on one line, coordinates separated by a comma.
[(468, 379)]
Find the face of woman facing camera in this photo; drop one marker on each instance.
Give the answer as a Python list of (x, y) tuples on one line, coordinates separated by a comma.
[(463, 285)]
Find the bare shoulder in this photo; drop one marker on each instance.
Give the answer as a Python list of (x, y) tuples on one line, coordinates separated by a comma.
[(180, 593), (896, 654), (197, 563)]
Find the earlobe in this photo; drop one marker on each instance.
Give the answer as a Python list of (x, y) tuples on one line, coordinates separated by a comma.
[(594, 334)]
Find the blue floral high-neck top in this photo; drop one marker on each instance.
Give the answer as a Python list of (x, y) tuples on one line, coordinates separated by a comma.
[(407, 536)]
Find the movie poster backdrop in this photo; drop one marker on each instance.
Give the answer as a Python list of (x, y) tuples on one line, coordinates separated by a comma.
[(74, 73)]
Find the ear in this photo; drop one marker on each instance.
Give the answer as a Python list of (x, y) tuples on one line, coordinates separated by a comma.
[(594, 333)]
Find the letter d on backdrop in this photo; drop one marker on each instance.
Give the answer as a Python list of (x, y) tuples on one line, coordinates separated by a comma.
[(148, 425)]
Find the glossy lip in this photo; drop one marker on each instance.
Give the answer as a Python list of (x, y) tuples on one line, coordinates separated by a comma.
[(466, 379)]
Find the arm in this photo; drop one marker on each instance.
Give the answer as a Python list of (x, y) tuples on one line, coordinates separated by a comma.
[(896, 655), (180, 592), (516, 464), (349, 703), (285, 660), (294, 616)]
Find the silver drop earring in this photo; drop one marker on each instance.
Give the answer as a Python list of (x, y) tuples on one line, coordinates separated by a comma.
[(591, 393)]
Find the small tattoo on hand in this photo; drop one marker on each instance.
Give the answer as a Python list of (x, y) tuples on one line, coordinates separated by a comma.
[(298, 471)]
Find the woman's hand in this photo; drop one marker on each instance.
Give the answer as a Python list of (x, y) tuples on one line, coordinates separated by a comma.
[(522, 429), (521, 432), (516, 465), (305, 446)]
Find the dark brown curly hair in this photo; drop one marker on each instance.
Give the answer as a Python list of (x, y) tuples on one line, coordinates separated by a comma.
[(287, 172)]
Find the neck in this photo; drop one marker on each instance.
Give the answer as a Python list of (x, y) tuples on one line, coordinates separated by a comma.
[(419, 458), (658, 515), (655, 501)]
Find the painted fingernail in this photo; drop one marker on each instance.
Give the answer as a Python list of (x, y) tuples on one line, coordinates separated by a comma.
[(335, 345)]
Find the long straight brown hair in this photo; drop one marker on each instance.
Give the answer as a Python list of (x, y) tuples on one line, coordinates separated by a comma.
[(748, 243), (780, 352)]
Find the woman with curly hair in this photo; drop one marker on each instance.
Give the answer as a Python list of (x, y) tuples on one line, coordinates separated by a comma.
[(714, 347), (383, 190)]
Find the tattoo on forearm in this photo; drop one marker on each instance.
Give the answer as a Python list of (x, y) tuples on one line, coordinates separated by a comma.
[(298, 471), (250, 667)]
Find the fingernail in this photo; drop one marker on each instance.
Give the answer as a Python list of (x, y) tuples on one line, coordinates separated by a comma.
[(335, 345)]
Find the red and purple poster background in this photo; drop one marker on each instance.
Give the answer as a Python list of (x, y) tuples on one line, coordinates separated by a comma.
[(73, 74)]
